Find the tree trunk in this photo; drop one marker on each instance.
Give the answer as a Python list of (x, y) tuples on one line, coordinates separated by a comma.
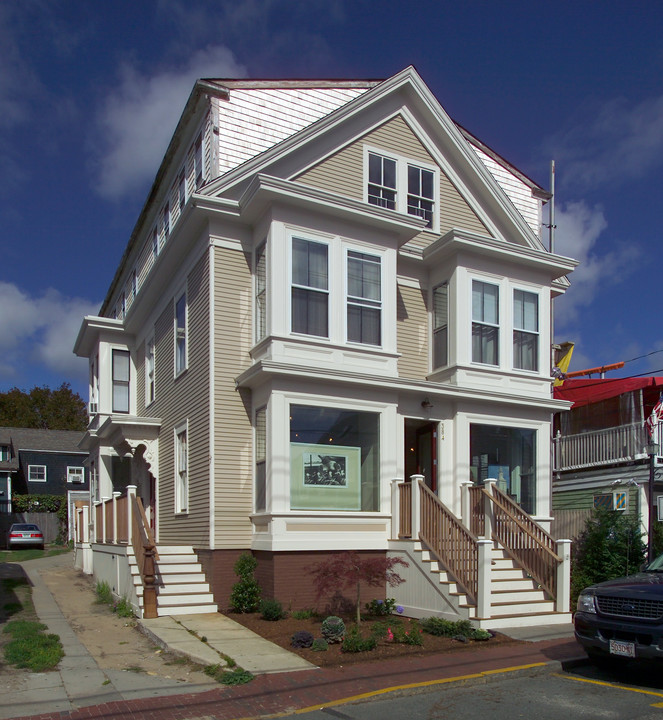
[(358, 604)]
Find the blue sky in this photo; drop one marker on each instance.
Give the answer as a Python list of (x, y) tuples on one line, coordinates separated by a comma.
[(91, 90)]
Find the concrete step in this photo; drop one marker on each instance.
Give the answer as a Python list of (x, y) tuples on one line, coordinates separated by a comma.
[(188, 610)]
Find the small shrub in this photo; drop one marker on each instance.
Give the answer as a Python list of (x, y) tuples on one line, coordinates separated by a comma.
[(353, 641), (123, 608), (320, 645), (446, 628), (245, 594), (305, 614), (333, 629), (271, 610), (237, 676), (302, 639), (406, 637), (380, 608), (104, 594), (480, 634)]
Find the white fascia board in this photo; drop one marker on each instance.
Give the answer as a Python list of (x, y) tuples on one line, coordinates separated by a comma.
[(264, 190), (456, 240), (91, 328), (257, 372)]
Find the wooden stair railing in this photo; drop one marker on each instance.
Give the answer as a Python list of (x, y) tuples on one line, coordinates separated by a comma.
[(450, 542), (145, 550), (524, 540)]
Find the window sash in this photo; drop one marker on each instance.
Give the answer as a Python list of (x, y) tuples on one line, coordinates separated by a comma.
[(182, 473), (261, 457), (36, 473), (149, 371), (180, 334), (420, 188), (485, 323), (310, 291), (121, 380), (261, 292), (364, 301), (381, 181), (440, 325)]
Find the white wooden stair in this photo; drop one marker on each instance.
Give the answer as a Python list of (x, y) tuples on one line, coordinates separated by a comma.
[(182, 588)]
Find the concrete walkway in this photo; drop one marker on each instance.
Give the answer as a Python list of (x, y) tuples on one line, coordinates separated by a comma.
[(80, 682)]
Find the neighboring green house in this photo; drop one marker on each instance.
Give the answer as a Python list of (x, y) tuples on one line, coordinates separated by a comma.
[(600, 449)]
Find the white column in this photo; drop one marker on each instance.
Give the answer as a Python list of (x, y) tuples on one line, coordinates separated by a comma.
[(86, 523), (484, 588), (563, 599), (416, 506)]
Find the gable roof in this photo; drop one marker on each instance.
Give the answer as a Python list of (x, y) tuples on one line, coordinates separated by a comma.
[(37, 439)]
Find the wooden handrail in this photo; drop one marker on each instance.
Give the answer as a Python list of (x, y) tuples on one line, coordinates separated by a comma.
[(524, 540), (450, 542), (145, 550)]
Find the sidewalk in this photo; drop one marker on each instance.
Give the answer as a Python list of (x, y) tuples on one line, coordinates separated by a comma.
[(284, 682)]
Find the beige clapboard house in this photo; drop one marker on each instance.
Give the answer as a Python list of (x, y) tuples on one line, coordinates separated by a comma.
[(329, 331)]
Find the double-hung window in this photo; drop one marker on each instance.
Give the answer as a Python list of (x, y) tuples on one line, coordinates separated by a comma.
[(364, 301), (149, 370), (181, 469), (261, 458), (525, 330), (440, 325), (198, 160), (75, 474), (4, 453), (485, 323), (180, 334), (37, 473), (381, 181), (310, 288), (398, 184), (120, 372), (261, 292)]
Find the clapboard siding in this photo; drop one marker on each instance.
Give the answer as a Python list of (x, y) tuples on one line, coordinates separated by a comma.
[(412, 328), (233, 435), (181, 399), (343, 173)]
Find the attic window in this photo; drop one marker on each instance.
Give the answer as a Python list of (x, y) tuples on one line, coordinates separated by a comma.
[(4, 453)]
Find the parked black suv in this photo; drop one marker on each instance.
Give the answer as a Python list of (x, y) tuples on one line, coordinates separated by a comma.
[(623, 617)]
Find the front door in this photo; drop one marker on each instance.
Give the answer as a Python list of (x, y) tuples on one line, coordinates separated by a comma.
[(421, 451)]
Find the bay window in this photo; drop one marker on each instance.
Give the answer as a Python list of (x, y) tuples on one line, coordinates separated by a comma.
[(310, 288)]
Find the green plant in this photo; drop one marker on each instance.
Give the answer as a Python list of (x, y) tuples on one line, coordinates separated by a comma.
[(333, 629), (236, 676), (302, 639), (379, 608), (30, 647), (399, 634), (320, 645), (353, 641), (480, 634), (123, 608), (610, 546), (245, 594), (350, 569), (271, 610), (305, 614), (446, 628), (104, 594)]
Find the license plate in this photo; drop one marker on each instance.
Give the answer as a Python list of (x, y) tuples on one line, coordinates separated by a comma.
[(620, 647)]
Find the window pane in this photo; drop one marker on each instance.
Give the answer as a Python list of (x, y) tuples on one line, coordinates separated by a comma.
[(364, 325), (427, 184), (440, 322), (389, 169), (485, 344), (309, 264), (485, 302), (309, 312), (525, 350)]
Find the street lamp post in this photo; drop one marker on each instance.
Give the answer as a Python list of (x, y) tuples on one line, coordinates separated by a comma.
[(652, 450)]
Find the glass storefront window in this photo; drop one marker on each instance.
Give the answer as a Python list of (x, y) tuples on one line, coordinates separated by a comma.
[(507, 455), (334, 459)]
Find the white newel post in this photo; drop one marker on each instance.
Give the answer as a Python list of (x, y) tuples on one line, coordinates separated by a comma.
[(395, 508), (564, 576), (104, 500), (488, 510), (484, 589), (131, 493), (416, 505), (86, 523), (465, 503), (116, 495)]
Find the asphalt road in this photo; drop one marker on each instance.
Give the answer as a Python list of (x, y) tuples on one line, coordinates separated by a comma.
[(634, 692)]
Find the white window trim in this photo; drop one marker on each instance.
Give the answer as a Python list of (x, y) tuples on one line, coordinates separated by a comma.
[(257, 337), (402, 162), (150, 340), (119, 348), (312, 238), (30, 479), (71, 474), (499, 284), (179, 507), (184, 292)]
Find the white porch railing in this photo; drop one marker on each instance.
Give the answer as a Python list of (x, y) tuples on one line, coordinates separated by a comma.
[(603, 447)]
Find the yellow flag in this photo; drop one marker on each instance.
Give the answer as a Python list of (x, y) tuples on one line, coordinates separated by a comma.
[(563, 363)]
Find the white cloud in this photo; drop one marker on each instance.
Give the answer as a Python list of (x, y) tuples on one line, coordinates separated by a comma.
[(41, 330), (137, 120), (621, 142), (579, 228)]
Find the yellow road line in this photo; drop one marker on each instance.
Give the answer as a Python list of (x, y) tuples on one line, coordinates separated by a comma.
[(617, 687), (409, 686)]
